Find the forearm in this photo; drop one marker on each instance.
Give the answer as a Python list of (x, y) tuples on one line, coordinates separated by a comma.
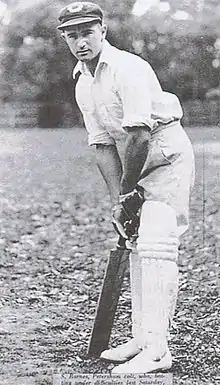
[(109, 164), (136, 152)]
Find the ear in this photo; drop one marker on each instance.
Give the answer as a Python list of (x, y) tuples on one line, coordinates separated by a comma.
[(104, 30), (63, 36)]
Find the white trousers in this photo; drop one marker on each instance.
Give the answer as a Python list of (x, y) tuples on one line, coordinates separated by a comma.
[(168, 173), (154, 276)]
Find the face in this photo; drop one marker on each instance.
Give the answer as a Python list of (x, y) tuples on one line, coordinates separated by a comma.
[(85, 40)]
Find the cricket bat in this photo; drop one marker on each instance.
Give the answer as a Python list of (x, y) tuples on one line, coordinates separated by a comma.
[(108, 298)]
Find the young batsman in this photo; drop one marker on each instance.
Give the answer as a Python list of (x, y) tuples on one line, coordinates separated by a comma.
[(119, 95)]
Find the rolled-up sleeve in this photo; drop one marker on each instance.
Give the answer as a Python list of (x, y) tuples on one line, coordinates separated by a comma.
[(134, 82), (99, 137), (96, 133)]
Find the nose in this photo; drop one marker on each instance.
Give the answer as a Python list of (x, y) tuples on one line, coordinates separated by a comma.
[(81, 43)]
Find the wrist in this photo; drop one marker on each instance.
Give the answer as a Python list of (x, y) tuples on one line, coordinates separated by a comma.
[(137, 191), (126, 188)]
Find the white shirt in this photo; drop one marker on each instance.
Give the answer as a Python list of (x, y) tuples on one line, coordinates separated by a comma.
[(124, 92)]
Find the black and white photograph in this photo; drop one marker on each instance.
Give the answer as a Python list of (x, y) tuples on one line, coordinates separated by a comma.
[(109, 192)]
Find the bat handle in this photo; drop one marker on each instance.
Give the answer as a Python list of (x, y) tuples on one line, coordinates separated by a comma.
[(121, 243)]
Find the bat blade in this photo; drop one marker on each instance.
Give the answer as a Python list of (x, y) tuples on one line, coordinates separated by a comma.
[(108, 300)]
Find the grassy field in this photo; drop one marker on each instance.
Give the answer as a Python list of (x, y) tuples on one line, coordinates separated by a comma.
[(54, 243)]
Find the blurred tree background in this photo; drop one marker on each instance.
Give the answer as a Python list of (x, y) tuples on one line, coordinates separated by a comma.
[(180, 40)]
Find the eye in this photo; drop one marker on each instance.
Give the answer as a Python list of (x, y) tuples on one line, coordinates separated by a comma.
[(87, 33), (72, 36)]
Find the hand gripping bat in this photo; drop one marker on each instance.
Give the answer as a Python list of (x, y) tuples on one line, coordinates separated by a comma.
[(108, 298)]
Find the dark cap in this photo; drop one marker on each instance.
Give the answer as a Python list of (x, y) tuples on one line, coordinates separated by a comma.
[(78, 13)]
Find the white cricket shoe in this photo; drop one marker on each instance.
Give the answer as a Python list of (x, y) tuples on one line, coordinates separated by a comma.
[(143, 363), (122, 353)]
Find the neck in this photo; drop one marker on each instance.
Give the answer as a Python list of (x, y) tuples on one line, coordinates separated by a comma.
[(92, 64)]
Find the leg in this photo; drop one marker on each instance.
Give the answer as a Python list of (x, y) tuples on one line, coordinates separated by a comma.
[(158, 250)]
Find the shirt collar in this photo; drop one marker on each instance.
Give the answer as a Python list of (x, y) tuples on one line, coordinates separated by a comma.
[(105, 57), (106, 54)]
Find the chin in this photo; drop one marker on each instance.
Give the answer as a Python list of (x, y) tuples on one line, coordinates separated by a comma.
[(84, 58), (88, 58)]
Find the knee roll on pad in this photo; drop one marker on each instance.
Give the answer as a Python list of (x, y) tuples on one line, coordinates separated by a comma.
[(158, 232)]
